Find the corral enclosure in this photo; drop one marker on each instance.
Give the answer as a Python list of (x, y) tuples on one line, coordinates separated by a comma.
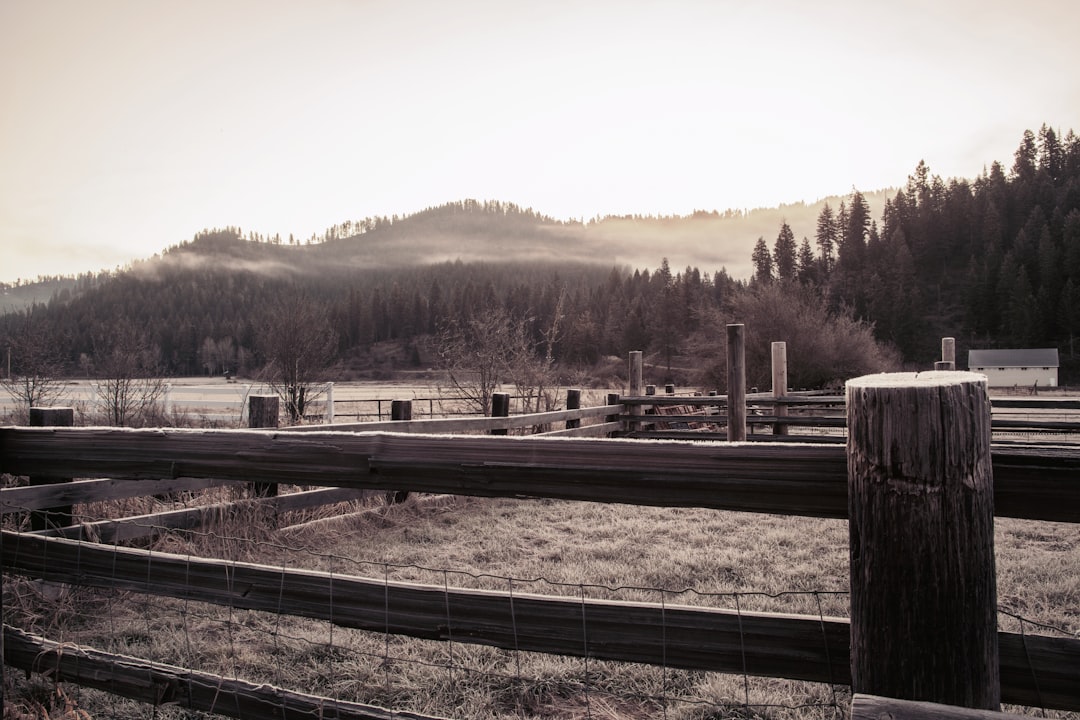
[(725, 624)]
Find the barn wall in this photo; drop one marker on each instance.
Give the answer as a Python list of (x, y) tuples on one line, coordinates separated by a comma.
[(1046, 377)]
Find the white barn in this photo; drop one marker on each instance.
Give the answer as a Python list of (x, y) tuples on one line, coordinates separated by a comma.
[(1025, 367)]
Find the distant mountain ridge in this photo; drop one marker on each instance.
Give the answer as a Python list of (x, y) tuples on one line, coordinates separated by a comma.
[(489, 231), (473, 231)]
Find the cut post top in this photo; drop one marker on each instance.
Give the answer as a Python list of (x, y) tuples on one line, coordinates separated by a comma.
[(916, 379)]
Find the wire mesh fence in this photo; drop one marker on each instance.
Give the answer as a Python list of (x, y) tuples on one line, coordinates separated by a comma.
[(309, 659), (450, 677)]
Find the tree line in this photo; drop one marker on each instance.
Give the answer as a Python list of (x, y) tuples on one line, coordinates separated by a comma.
[(994, 261)]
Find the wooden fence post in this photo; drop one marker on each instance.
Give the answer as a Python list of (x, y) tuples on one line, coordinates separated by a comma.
[(59, 516), (669, 389), (500, 407), (635, 376), (573, 402), (948, 354), (328, 415), (736, 381), (400, 410), (263, 413), (921, 523), (779, 385)]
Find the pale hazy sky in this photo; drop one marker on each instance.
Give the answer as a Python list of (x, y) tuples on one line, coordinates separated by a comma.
[(128, 125)]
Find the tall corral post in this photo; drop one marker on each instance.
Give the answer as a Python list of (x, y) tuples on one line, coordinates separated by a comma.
[(948, 353), (573, 402), (636, 371), (400, 410), (500, 407), (263, 413), (736, 383), (921, 519), (59, 516), (779, 385), (328, 416)]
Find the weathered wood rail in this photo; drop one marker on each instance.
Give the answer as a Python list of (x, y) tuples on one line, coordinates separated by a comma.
[(1035, 670), (787, 478), (158, 683)]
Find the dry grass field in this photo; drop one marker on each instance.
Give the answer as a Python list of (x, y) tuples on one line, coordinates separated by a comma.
[(672, 556)]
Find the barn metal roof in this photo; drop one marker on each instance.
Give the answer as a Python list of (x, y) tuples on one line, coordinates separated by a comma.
[(1030, 357)]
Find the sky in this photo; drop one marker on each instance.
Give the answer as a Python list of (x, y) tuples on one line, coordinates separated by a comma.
[(127, 126)]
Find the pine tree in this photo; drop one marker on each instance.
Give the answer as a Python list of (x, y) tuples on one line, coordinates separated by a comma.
[(763, 261), (808, 266), (826, 238), (784, 253)]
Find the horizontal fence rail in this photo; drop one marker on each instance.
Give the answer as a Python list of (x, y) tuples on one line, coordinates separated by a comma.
[(810, 648), (787, 478), (157, 684), (464, 425)]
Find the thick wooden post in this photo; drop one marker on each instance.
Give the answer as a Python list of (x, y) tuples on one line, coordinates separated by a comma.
[(921, 519), (736, 382), (400, 410), (948, 353), (500, 407), (636, 371), (612, 399), (669, 389), (263, 413), (779, 384), (573, 402), (59, 516)]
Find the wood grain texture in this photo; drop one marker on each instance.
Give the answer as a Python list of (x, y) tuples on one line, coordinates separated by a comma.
[(1040, 483), (873, 707), (921, 520)]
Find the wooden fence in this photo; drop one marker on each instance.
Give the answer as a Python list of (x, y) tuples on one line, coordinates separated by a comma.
[(773, 478), (1038, 482)]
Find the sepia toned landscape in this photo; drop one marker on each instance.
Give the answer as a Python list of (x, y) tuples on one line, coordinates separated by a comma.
[(367, 360)]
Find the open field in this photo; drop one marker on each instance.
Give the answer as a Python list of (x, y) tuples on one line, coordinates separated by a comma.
[(673, 556), (217, 402)]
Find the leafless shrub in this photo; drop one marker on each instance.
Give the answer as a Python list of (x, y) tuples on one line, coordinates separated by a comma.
[(131, 389), (33, 365), (297, 344)]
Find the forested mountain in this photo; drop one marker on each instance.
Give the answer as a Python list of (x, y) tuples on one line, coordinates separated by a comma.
[(991, 261), (994, 261)]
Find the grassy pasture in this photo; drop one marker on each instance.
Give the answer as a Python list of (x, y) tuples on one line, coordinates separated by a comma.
[(674, 556)]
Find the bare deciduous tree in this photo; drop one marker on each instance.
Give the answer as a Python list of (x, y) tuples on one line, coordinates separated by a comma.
[(493, 348), (297, 343), (131, 387), (34, 365)]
